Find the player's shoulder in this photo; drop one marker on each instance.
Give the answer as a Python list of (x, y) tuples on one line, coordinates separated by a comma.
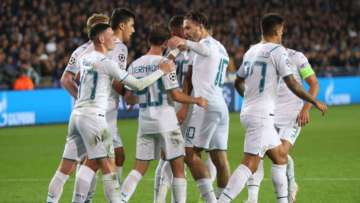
[(81, 49)]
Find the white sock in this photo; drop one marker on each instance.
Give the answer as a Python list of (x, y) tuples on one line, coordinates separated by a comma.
[(206, 190), (279, 179), (179, 190), (92, 189), (212, 169), (290, 172), (119, 171), (56, 187), (219, 191), (82, 184), (165, 182), (254, 182), (158, 180), (129, 185), (236, 183), (111, 187)]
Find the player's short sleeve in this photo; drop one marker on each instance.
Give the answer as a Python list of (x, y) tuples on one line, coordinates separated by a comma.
[(72, 64), (282, 62), (303, 65), (120, 56), (241, 71), (114, 70), (170, 81)]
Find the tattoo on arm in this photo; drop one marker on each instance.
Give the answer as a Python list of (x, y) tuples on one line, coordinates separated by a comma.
[(297, 89), (240, 86)]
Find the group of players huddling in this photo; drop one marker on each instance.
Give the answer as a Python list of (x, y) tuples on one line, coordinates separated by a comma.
[(178, 86)]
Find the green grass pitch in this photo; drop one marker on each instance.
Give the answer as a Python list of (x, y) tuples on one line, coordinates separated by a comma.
[(327, 160)]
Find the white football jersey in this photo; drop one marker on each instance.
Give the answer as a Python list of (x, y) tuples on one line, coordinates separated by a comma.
[(76, 55), (96, 74), (119, 55), (262, 66), (288, 105), (209, 73), (183, 60), (157, 112)]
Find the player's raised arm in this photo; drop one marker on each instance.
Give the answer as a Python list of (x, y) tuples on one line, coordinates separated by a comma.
[(139, 84)]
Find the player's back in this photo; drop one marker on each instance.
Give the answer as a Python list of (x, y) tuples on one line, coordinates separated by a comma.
[(183, 60), (95, 84), (263, 65), (157, 113), (209, 73), (288, 104), (77, 54)]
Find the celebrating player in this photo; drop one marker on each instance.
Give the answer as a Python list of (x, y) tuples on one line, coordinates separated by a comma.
[(290, 115), (158, 125), (207, 129), (257, 81)]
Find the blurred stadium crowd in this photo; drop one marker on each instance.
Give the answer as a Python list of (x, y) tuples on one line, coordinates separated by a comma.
[(38, 36)]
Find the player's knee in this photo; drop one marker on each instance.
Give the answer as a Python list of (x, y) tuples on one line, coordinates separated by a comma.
[(119, 156)]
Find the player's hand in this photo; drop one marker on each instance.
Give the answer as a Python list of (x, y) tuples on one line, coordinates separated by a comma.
[(303, 118), (202, 102), (181, 114), (167, 66), (130, 98), (176, 42), (321, 106)]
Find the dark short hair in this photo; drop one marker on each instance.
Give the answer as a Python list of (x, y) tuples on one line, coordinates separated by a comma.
[(198, 17), (269, 23), (97, 29), (120, 15), (158, 35), (176, 21)]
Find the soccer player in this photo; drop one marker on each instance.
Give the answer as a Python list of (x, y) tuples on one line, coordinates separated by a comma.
[(122, 23), (207, 129), (88, 132), (290, 114), (183, 61), (68, 163), (158, 125), (257, 81)]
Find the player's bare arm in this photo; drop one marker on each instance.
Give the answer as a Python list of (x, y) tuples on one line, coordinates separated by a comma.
[(240, 86), (299, 91), (68, 82), (304, 116), (180, 97)]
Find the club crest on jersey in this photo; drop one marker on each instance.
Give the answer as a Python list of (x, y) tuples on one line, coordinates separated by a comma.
[(121, 57), (72, 61)]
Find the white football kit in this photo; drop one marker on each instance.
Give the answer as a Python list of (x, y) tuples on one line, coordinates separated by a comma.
[(208, 128), (158, 125), (288, 105), (88, 130), (118, 55), (262, 66)]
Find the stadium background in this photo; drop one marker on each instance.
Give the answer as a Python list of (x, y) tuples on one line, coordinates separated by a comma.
[(37, 38)]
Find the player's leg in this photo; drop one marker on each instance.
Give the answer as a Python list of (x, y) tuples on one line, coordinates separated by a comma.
[(200, 140), (254, 182), (59, 179), (146, 149), (288, 135), (173, 145), (163, 179), (211, 167), (239, 177), (278, 172), (255, 146), (218, 147), (99, 148), (73, 149)]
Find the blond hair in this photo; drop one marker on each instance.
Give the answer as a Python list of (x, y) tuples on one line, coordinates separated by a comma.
[(95, 19)]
